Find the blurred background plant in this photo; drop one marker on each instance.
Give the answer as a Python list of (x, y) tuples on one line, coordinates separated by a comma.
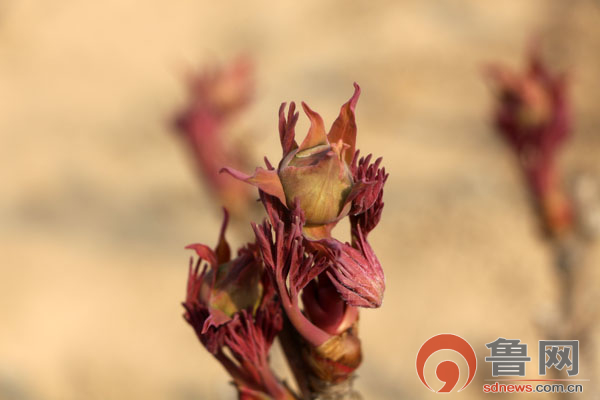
[(533, 113), (98, 196), (217, 95)]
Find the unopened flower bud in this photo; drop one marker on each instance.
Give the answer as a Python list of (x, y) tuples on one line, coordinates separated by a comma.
[(231, 304), (319, 179), (355, 271), (316, 173)]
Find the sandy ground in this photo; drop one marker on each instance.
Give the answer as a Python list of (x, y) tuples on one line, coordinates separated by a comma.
[(98, 197)]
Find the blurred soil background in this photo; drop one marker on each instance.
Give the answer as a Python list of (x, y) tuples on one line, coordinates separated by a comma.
[(98, 196)]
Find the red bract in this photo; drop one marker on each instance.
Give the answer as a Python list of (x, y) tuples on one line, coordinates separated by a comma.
[(283, 253), (367, 206), (533, 115), (216, 96), (232, 304), (249, 344), (327, 322), (224, 286), (354, 270)]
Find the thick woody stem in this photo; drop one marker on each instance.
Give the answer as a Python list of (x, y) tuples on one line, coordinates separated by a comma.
[(335, 391), (331, 366), (323, 372)]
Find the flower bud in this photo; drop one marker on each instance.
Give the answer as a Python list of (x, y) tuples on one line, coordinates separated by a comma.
[(355, 271), (224, 286), (319, 179), (316, 173), (232, 305)]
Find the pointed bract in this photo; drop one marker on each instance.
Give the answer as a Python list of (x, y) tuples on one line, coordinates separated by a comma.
[(234, 306), (316, 133), (367, 204), (355, 272), (344, 127), (287, 128), (283, 253), (266, 180)]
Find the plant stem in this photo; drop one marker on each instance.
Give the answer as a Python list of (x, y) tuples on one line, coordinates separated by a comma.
[(311, 386), (292, 348), (335, 391)]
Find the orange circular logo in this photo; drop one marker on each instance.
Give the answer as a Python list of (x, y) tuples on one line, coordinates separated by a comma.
[(447, 371)]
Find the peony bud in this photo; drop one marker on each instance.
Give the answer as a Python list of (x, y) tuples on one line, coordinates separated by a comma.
[(316, 173), (225, 287), (319, 179), (355, 271), (231, 304)]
